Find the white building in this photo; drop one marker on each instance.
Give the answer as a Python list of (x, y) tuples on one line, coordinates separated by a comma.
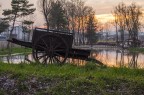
[(17, 33)]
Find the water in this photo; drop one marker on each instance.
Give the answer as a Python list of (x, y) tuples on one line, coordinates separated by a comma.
[(110, 57), (17, 58), (119, 58), (21, 58)]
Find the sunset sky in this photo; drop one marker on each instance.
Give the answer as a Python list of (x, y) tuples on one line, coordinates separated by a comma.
[(103, 8)]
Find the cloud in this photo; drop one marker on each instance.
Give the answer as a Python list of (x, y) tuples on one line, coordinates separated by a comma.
[(106, 6), (105, 17)]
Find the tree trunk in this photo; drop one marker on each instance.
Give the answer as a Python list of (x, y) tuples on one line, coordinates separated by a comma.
[(116, 35), (10, 36)]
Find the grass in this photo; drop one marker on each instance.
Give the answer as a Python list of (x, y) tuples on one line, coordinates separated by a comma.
[(69, 79), (136, 50), (15, 50)]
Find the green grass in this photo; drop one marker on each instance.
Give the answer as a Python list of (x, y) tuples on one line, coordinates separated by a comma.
[(69, 70), (69, 79), (15, 50), (136, 50)]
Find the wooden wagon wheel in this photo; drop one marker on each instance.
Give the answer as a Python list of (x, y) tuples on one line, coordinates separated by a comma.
[(50, 48)]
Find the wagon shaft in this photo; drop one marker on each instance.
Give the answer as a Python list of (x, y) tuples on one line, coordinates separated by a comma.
[(22, 43), (79, 54)]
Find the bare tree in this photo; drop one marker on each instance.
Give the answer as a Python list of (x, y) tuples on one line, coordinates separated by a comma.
[(71, 14), (116, 25), (78, 15), (128, 18), (119, 14), (45, 8), (134, 15)]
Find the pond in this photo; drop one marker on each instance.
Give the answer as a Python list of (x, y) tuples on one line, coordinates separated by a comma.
[(110, 57), (119, 58)]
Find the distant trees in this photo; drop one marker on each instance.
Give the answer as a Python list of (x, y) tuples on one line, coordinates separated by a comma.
[(128, 18), (3, 25), (92, 25), (54, 14), (57, 16), (27, 28), (70, 15), (78, 14)]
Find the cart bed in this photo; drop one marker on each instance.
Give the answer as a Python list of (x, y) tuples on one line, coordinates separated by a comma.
[(73, 52)]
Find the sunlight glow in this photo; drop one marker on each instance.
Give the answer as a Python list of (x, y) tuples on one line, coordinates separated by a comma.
[(103, 18)]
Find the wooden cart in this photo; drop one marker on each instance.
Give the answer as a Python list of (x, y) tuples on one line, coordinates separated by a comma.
[(52, 46)]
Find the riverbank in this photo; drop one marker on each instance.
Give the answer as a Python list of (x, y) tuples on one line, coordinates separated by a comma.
[(141, 50), (5, 51), (35, 79)]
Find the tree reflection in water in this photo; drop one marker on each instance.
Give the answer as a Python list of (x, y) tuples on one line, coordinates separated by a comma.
[(128, 59), (117, 58), (13, 58), (133, 63)]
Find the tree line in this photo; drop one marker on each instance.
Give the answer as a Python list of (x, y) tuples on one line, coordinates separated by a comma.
[(76, 17), (70, 15), (128, 18)]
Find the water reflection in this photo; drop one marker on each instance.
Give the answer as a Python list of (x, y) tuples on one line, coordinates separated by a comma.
[(116, 57), (14, 58), (119, 58), (27, 58)]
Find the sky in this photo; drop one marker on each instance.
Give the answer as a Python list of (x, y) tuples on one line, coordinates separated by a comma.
[(103, 8)]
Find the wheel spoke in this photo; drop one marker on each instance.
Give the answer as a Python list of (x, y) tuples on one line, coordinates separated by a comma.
[(57, 59), (41, 46), (58, 45), (51, 59), (54, 61), (42, 56), (45, 60), (50, 48), (45, 44)]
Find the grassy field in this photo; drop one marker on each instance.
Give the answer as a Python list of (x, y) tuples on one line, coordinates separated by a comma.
[(15, 50), (68, 79)]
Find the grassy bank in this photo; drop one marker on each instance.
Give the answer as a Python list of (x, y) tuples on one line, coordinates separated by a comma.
[(15, 50), (70, 80), (136, 50)]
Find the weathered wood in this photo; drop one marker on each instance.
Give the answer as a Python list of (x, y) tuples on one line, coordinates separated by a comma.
[(44, 42), (22, 43)]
